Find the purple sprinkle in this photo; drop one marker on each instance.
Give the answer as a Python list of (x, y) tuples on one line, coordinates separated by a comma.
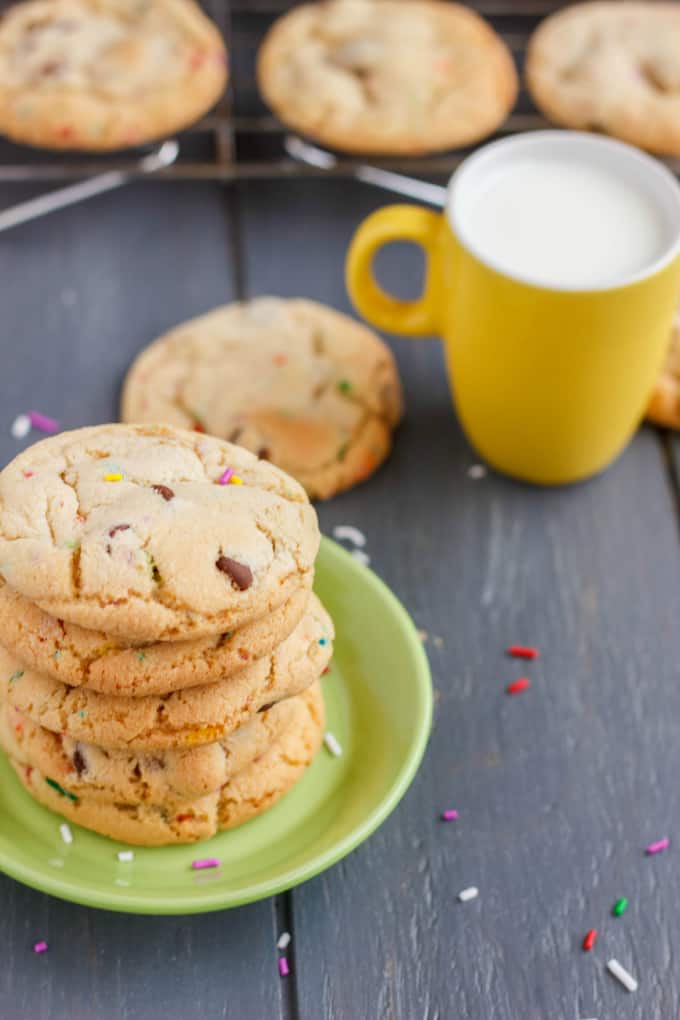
[(206, 862), (39, 947), (226, 476), (656, 848), (42, 422), (450, 815), (284, 969)]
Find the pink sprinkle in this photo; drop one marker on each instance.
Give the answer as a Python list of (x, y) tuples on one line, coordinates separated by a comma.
[(39, 947), (284, 969), (42, 422), (206, 862), (656, 848), (449, 815), (226, 476), (28, 474)]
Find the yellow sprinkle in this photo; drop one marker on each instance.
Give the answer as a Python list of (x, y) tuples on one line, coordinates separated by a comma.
[(113, 478), (235, 480)]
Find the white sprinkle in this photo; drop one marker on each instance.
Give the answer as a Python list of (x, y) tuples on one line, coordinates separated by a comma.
[(126, 855), (284, 940), (21, 426), (476, 471), (350, 534), (468, 894), (332, 744), (66, 834), (622, 975), (360, 555)]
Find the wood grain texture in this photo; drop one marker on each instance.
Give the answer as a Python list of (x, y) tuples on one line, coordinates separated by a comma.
[(559, 789), (81, 292)]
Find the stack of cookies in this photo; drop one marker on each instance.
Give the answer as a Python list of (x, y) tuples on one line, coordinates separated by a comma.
[(160, 645)]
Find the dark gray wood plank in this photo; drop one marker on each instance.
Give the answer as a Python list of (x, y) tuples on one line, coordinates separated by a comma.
[(559, 789), (81, 292)]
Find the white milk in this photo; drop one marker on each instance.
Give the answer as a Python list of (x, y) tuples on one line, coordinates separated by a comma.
[(563, 222)]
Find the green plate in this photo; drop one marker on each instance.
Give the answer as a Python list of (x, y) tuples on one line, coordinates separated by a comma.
[(379, 705)]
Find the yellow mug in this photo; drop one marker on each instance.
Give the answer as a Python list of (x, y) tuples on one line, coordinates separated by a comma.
[(550, 380)]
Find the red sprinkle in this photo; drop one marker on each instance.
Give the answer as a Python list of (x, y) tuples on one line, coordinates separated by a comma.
[(589, 940), (518, 685), (523, 652), (198, 427)]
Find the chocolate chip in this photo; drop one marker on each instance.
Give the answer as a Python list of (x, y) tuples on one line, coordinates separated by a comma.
[(137, 772), (79, 763), (118, 527), (163, 491), (233, 437), (265, 708), (264, 453), (240, 574)]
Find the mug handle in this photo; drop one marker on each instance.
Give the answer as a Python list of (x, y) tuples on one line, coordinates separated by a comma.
[(394, 223)]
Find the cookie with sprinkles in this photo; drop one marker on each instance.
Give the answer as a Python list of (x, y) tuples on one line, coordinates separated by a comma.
[(88, 658), (128, 530), (295, 382), (106, 74), (183, 719), (387, 76), (251, 791), (161, 777)]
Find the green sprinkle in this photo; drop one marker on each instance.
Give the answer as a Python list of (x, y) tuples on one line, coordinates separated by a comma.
[(141, 656), (71, 543), (342, 452), (322, 641), (620, 907), (16, 676), (345, 386), (60, 789), (82, 713), (57, 655)]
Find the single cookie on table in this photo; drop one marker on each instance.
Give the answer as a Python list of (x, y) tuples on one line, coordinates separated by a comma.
[(253, 790), (293, 381), (201, 715), (127, 530), (90, 658), (664, 404), (106, 74), (387, 76), (612, 67), (161, 777)]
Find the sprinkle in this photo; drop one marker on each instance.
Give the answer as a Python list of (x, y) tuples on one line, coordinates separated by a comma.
[(235, 480), (205, 862), (471, 893), (27, 474), (361, 556), (21, 426), (17, 675), (117, 477), (620, 907), (656, 848), (60, 789), (126, 855), (350, 534), (589, 940), (449, 815), (523, 652), (66, 834), (57, 655), (39, 947), (42, 422), (342, 452), (622, 975), (332, 744), (284, 969), (284, 940), (518, 685), (325, 671), (345, 386), (226, 476), (141, 656), (280, 359), (323, 641), (476, 471)]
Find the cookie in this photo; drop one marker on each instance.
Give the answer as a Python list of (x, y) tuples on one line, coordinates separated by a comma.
[(253, 790), (664, 404), (611, 67), (201, 715), (295, 382), (106, 74), (128, 530), (387, 76), (92, 659), (161, 778)]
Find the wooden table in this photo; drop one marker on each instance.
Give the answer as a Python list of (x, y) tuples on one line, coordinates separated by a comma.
[(559, 789)]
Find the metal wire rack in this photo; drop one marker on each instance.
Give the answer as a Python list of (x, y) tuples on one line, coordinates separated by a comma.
[(241, 140)]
